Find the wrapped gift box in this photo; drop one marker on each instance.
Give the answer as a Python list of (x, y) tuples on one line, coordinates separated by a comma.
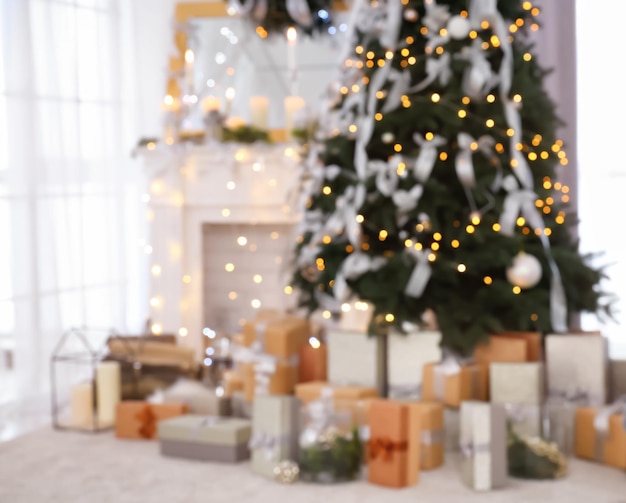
[(353, 399), (502, 348), (313, 362), (231, 382), (280, 336), (484, 445), (431, 421), (206, 438), (274, 376), (601, 436), (138, 419), (520, 388), (577, 364), (394, 446), (275, 430), (352, 357), (452, 429), (617, 378), (451, 385), (198, 398)]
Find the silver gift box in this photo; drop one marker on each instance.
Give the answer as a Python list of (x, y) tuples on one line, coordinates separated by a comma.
[(275, 431), (483, 442)]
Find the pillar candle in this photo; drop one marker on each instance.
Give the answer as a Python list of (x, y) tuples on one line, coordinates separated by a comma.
[(293, 104), (108, 391), (81, 405), (259, 106)]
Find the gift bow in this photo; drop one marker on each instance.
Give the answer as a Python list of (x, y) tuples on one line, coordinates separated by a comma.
[(385, 447), (601, 423), (267, 443), (147, 419)]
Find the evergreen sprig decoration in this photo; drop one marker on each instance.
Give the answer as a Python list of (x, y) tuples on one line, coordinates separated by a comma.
[(272, 17)]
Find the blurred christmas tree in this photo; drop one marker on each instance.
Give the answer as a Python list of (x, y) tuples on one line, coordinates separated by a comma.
[(433, 185)]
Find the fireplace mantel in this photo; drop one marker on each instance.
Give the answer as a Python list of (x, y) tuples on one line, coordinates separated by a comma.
[(190, 186)]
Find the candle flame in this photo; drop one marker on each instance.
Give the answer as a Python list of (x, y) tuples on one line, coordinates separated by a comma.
[(189, 56), (292, 34)]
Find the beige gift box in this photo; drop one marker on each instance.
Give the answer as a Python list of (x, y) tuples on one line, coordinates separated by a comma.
[(577, 363), (520, 388)]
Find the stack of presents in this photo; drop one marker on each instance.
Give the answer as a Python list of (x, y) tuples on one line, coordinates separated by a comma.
[(299, 401)]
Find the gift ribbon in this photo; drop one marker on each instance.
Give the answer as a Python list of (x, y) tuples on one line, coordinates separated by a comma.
[(268, 443), (519, 413), (385, 448), (205, 422), (470, 449), (404, 391), (148, 423)]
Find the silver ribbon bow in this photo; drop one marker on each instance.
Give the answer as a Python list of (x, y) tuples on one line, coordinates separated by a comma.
[(300, 12), (427, 156), (420, 275), (470, 449), (354, 266)]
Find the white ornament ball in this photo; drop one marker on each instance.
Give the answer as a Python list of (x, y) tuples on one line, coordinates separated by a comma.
[(410, 15), (525, 272), (387, 137), (458, 27)]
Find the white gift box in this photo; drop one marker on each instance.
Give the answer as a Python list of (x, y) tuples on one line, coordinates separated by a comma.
[(352, 358), (483, 445), (275, 430), (520, 388), (577, 365)]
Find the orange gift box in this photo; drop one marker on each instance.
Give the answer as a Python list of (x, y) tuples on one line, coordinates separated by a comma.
[(610, 448), (469, 383), (534, 344), (138, 419), (394, 446), (280, 336), (307, 392), (312, 366), (431, 434), (232, 382), (281, 382)]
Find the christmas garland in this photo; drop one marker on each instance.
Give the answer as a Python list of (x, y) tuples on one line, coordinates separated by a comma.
[(275, 16)]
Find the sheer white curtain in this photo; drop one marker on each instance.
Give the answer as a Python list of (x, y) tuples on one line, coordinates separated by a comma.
[(602, 173), (69, 209)]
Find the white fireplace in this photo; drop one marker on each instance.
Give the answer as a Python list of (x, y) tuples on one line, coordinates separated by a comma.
[(221, 230)]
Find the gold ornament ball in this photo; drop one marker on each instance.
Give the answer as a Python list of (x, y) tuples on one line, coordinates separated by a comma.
[(286, 472)]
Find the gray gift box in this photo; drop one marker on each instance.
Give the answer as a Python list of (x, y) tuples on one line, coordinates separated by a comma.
[(617, 377), (520, 388), (483, 445), (451, 430), (275, 431), (205, 438)]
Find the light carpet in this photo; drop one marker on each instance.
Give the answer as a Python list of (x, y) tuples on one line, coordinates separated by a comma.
[(66, 467)]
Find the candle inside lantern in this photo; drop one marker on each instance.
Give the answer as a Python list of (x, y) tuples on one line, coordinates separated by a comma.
[(259, 106), (211, 103), (293, 104), (108, 391), (82, 405), (230, 96), (170, 104), (189, 62), (292, 38)]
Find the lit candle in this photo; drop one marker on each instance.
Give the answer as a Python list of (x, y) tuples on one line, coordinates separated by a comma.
[(230, 96), (189, 60), (259, 106), (170, 104), (81, 405), (293, 104), (292, 38), (108, 391), (211, 103)]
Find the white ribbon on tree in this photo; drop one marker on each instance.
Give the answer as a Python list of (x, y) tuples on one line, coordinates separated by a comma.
[(300, 12), (241, 9), (401, 82), (478, 78), (260, 10), (427, 156), (386, 175), (436, 68), (420, 275), (344, 217), (354, 266), (405, 201), (389, 36), (520, 166)]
